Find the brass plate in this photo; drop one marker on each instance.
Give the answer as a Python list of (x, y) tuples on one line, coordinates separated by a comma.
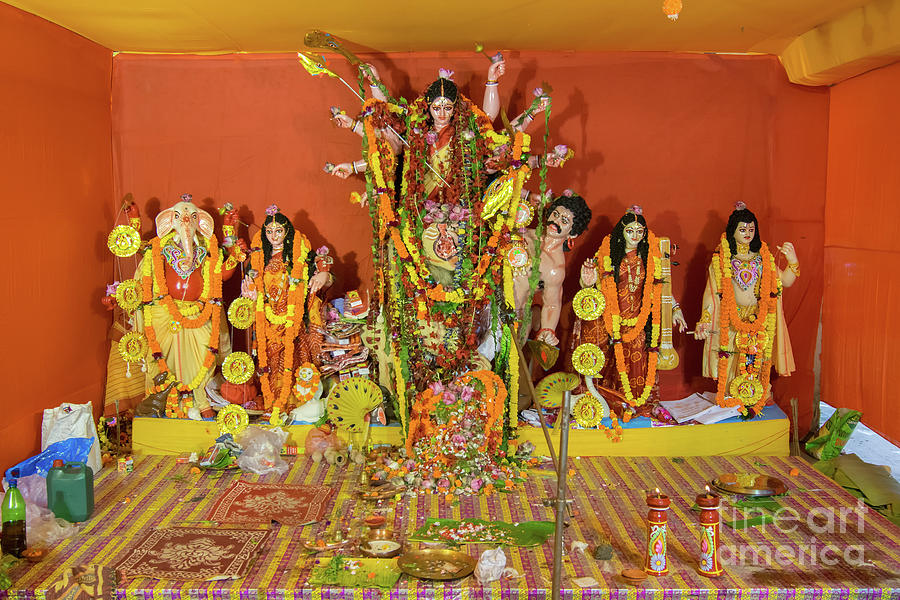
[(762, 485), (436, 563)]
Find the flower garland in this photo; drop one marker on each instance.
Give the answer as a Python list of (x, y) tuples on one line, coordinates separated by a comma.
[(154, 288), (651, 302), (754, 337), (291, 320)]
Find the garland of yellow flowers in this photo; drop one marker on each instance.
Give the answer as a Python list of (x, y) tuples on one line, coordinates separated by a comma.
[(297, 287), (154, 287), (651, 302), (750, 334)]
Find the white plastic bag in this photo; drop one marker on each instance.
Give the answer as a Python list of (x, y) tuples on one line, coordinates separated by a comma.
[(262, 450), (490, 565), (72, 421)]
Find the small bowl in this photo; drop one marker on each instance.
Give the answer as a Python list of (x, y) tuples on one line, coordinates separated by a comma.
[(381, 547)]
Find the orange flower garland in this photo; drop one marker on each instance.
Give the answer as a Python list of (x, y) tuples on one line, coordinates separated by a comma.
[(293, 317), (753, 336), (153, 286), (651, 302)]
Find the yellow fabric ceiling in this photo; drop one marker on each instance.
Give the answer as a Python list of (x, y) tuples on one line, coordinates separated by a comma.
[(225, 26)]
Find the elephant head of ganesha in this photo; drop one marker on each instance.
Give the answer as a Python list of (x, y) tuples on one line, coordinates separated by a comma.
[(187, 221)]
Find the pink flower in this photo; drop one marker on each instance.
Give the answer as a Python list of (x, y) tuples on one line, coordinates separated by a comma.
[(436, 387), (111, 288), (465, 394), (271, 210), (476, 484), (431, 137), (497, 57), (445, 74), (538, 92), (561, 150), (448, 398), (568, 193), (457, 439), (443, 482)]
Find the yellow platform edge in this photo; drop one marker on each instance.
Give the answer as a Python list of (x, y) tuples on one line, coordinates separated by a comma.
[(762, 438)]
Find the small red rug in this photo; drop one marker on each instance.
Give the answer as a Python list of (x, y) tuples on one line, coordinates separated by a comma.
[(193, 553), (246, 502)]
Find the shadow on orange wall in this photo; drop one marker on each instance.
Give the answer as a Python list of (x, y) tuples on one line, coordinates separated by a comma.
[(56, 159), (685, 136)]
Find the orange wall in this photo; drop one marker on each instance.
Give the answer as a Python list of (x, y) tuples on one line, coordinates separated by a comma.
[(861, 324), (56, 173), (686, 136)]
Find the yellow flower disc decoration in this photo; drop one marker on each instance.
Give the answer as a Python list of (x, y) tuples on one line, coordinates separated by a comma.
[(588, 412), (241, 312), (128, 294), (588, 360), (133, 347), (550, 389), (232, 419), (746, 389), (524, 214), (123, 241), (238, 368), (589, 304)]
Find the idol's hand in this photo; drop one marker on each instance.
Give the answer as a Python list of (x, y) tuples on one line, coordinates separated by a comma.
[(496, 70), (589, 273), (678, 319), (548, 337), (789, 253), (370, 73), (343, 121), (248, 290), (342, 170), (701, 331), (319, 281)]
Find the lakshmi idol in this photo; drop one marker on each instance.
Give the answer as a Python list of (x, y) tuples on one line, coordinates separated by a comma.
[(283, 281), (742, 321), (628, 271)]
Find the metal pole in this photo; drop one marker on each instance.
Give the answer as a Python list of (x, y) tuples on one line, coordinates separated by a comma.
[(561, 494)]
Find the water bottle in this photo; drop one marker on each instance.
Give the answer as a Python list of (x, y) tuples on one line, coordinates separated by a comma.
[(13, 512)]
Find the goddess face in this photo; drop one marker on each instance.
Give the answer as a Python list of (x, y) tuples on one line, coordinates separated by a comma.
[(744, 233), (559, 223), (441, 111), (275, 233), (633, 234)]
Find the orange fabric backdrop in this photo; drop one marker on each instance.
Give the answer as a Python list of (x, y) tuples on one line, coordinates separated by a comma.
[(686, 136), (56, 168), (859, 350)]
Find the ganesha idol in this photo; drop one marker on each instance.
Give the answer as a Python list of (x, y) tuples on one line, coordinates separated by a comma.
[(181, 276)]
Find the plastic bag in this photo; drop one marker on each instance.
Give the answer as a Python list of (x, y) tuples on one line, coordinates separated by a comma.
[(72, 421), (831, 438), (262, 450), (43, 529), (69, 450), (491, 565)]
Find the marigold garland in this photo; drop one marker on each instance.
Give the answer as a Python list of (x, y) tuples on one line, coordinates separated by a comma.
[(292, 319), (651, 303), (755, 336), (155, 289)]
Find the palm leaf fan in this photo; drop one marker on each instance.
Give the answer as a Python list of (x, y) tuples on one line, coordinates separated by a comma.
[(350, 401), (550, 389)]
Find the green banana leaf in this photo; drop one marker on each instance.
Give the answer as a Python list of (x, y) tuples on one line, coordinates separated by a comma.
[(529, 533)]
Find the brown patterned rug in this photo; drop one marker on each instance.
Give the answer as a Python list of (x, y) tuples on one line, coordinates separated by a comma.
[(246, 502), (193, 553)]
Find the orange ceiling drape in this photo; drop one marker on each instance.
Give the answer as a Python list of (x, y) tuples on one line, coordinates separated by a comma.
[(686, 136), (861, 325)]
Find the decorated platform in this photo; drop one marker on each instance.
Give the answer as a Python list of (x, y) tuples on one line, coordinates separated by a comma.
[(828, 548), (766, 435)]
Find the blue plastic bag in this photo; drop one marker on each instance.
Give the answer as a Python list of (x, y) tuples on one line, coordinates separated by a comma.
[(70, 450)]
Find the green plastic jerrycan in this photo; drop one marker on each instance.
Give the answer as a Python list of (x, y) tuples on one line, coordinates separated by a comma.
[(70, 491)]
